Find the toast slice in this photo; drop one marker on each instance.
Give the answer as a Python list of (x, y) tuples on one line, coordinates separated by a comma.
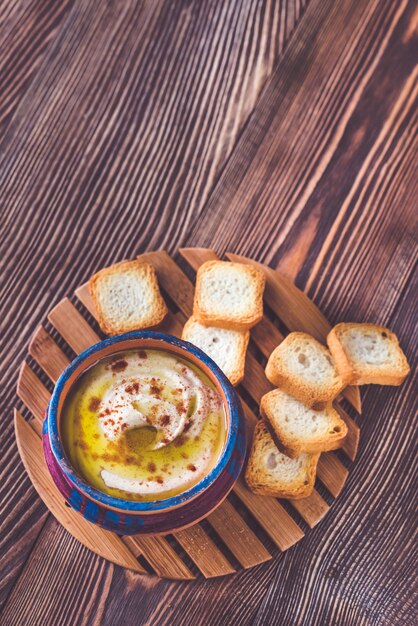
[(271, 473), (229, 295), (303, 368), (368, 354), (127, 297), (226, 347), (298, 428)]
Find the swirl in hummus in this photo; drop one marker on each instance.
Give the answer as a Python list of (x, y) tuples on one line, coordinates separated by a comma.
[(143, 425)]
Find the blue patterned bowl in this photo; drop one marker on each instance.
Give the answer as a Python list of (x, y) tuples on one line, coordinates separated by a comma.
[(160, 516)]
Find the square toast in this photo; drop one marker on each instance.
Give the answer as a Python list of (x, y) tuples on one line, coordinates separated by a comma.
[(367, 354), (226, 347), (127, 297), (228, 295), (271, 473), (297, 428), (303, 368)]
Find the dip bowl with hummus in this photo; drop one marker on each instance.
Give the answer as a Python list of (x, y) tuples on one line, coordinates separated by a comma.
[(144, 434)]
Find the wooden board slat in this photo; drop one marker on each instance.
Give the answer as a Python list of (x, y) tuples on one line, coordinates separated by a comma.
[(312, 509), (266, 336), (172, 279), (72, 326), (161, 556), (83, 294), (297, 311), (284, 531), (105, 543), (47, 354), (238, 537), (32, 392), (352, 440), (203, 552), (332, 473)]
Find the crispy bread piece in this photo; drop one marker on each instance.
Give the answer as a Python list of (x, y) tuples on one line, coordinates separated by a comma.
[(127, 297), (299, 428), (271, 473), (304, 368), (229, 295), (226, 347), (368, 354)]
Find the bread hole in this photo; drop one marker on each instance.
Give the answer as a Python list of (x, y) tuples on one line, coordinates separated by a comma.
[(297, 349), (306, 482), (271, 461), (215, 339), (384, 335), (286, 419), (303, 360), (337, 429), (328, 358)]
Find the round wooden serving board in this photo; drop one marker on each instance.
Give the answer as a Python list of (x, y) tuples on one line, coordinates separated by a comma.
[(245, 530)]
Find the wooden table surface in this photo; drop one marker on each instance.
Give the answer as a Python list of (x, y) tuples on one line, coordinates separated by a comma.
[(285, 131)]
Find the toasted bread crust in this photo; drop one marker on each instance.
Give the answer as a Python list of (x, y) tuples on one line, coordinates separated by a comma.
[(355, 373), (160, 308), (243, 322), (293, 446), (258, 480), (236, 375)]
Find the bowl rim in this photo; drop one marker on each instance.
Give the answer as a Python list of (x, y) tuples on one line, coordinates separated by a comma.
[(232, 408)]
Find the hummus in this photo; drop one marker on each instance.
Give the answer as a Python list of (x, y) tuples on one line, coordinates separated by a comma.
[(143, 425)]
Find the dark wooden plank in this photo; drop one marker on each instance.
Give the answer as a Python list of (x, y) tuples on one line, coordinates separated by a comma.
[(310, 200), (27, 30), (22, 513)]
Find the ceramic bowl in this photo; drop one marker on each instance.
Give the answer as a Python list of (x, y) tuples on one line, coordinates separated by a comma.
[(160, 516)]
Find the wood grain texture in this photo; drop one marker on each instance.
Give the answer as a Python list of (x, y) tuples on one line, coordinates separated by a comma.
[(27, 30), (180, 124)]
